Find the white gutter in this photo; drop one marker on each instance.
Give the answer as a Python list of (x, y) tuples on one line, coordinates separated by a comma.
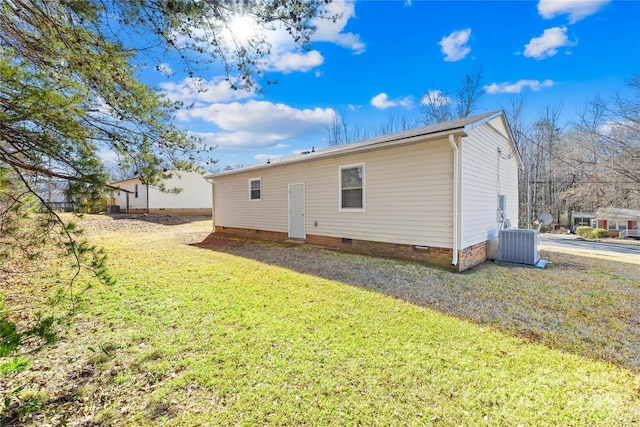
[(456, 192)]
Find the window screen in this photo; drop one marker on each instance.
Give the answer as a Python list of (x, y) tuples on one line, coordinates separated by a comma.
[(254, 189), (351, 187)]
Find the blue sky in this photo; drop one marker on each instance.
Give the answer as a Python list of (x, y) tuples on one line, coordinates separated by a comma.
[(382, 57)]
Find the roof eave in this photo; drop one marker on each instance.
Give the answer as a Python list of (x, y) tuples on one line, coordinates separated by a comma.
[(379, 145)]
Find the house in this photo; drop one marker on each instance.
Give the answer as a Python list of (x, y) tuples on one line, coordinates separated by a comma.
[(55, 199), (135, 196), (436, 194), (583, 219), (619, 222)]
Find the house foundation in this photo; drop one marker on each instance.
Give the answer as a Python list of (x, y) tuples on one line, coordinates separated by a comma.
[(441, 257)]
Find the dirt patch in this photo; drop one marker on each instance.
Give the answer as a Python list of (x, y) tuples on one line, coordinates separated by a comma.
[(162, 219), (216, 241)]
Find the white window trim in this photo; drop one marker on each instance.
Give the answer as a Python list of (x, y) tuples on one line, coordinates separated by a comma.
[(618, 225), (364, 188), (249, 184)]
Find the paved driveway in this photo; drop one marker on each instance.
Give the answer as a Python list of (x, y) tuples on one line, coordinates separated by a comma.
[(572, 242)]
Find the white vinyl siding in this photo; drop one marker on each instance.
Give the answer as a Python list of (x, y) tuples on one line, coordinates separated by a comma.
[(408, 196), (139, 202), (195, 193), (407, 192), (487, 175)]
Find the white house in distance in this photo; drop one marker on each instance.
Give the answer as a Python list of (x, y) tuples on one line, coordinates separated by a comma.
[(138, 197), (437, 194)]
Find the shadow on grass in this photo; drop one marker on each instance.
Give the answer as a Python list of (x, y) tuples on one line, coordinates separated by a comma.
[(63, 406), (577, 304)]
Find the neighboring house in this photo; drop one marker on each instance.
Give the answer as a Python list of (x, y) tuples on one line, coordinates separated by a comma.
[(619, 222), (57, 201), (51, 192), (135, 196), (583, 219), (436, 194)]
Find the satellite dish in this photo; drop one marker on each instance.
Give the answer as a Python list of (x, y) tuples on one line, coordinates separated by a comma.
[(544, 219)]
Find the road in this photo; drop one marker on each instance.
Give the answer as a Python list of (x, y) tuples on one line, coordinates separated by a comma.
[(571, 242)]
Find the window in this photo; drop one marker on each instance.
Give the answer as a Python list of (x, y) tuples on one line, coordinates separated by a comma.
[(617, 225), (136, 191), (352, 187), (254, 188), (582, 222)]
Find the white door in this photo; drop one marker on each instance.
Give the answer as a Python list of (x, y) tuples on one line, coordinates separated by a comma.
[(296, 211)]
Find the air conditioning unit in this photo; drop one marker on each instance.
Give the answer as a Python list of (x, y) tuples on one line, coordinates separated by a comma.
[(519, 246)]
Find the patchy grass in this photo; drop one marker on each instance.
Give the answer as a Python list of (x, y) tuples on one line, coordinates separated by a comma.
[(273, 335)]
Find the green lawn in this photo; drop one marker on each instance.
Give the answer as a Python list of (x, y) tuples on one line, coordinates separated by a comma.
[(193, 336)]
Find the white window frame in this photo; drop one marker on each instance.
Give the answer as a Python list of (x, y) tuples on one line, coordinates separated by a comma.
[(259, 179), (364, 186), (618, 225)]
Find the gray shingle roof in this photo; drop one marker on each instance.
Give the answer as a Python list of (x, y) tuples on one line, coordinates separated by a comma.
[(336, 149)]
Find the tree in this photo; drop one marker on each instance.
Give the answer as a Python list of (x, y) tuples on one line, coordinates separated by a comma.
[(613, 128), (438, 107), (69, 89), (397, 123), (340, 132), (515, 113)]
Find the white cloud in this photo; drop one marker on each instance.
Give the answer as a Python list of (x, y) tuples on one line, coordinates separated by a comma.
[(200, 90), (382, 102), (332, 32), (454, 46), (406, 102), (548, 43), (507, 87), (259, 124), (286, 55), (164, 69), (576, 9), (110, 157), (291, 61), (436, 98)]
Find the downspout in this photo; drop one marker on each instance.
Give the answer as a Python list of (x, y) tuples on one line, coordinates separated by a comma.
[(213, 207), (456, 192)]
